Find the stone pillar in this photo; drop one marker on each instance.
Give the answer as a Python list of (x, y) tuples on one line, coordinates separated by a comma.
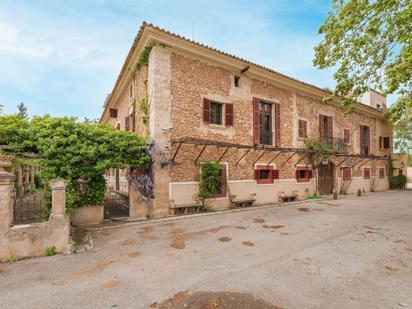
[(58, 188), (6, 200), (137, 206), (159, 95), (19, 175), (31, 175), (26, 178)]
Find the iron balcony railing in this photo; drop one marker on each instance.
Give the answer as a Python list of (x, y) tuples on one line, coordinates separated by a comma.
[(336, 144)]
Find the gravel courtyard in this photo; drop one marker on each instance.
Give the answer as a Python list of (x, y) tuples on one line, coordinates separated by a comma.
[(351, 253)]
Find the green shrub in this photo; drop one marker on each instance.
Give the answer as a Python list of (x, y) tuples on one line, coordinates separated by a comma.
[(39, 181), (397, 182), (50, 251)]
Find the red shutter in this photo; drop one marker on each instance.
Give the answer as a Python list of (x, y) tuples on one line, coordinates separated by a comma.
[(297, 174), (310, 174), (369, 142), (305, 128), (127, 123), (277, 125), (275, 174), (362, 142), (113, 113), (300, 131), (386, 143), (321, 127), (206, 110), (229, 115), (256, 122), (257, 174), (330, 130)]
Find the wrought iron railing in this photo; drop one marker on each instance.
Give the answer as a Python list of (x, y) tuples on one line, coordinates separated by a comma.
[(336, 144)]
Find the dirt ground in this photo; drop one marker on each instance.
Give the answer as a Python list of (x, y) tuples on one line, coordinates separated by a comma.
[(351, 253)]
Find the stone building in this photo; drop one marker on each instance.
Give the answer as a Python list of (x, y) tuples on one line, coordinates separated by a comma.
[(199, 104)]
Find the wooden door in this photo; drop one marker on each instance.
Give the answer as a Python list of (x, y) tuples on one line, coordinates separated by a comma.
[(326, 179)]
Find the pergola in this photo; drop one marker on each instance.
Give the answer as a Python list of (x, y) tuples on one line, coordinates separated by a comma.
[(359, 158)]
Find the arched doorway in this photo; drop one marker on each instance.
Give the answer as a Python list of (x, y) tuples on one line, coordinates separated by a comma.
[(326, 178)]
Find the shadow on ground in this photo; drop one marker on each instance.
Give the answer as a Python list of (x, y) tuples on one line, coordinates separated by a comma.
[(213, 300)]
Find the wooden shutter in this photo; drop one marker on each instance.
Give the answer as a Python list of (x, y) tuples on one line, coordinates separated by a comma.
[(366, 173), (229, 115), (256, 122), (127, 123), (257, 174), (330, 130), (310, 174), (380, 142), (300, 131), (275, 174), (321, 127), (362, 141), (277, 124), (113, 113), (305, 128), (206, 110), (386, 143)]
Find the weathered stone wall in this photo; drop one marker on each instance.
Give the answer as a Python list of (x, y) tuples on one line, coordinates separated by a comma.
[(28, 240), (193, 79)]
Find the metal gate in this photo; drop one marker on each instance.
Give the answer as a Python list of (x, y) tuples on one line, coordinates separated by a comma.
[(116, 204), (28, 208), (326, 179)]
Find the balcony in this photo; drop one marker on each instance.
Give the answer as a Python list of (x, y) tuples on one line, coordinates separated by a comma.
[(336, 144)]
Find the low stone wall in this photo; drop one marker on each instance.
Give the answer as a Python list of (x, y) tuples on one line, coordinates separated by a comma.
[(88, 215), (184, 192), (28, 240)]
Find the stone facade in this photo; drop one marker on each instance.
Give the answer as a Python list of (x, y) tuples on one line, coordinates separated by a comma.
[(181, 74)]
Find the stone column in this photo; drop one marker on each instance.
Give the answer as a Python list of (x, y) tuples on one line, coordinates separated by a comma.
[(26, 179), (6, 200), (19, 175), (58, 188), (31, 175), (159, 95)]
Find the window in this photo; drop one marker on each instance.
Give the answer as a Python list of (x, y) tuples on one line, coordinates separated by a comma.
[(265, 174), (346, 173), (216, 113), (303, 129), (237, 81), (265, 120), (381, 172), (346, 136), (303, 174), (213, 112), (131, 91), (118, 126), (262, 122), (113, 112), (384, 142), (364, 140), (366, 173)]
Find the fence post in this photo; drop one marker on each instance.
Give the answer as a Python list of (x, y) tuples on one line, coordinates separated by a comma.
[(58, 188), (6, 200)]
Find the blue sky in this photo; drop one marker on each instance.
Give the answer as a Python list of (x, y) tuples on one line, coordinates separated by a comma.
[(62, 57)]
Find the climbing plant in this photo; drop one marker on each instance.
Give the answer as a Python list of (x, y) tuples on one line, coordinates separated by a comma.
[(144, 107), (320, 154), (209, 180), (78, 152)]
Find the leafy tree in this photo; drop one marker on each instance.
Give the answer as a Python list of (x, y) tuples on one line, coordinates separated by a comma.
[(78, 152), (370, 45), (22, 110)]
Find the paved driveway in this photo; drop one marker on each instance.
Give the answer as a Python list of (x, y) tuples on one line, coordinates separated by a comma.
[(350, 253)]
